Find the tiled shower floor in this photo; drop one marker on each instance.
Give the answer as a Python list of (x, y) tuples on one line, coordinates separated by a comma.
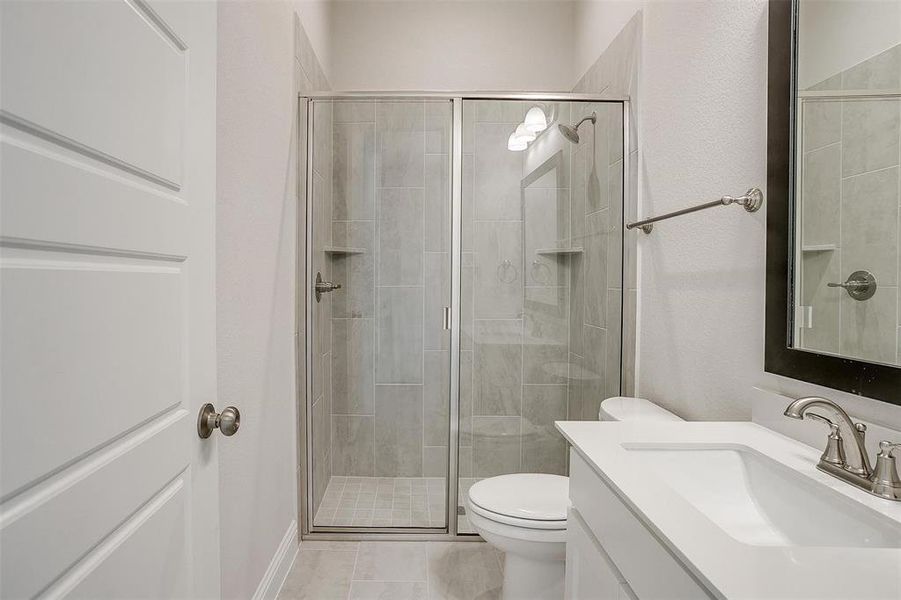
[(388, 502)]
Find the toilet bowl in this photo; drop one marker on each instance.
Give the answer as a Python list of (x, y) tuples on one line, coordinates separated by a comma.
[(524, 515)]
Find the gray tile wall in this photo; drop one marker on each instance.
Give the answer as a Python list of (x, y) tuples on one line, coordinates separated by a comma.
[(615, 73), (389, 350), (596, 319), (309, 78), (851, 212)]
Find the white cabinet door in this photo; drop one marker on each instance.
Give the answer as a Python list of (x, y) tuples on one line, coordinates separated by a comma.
[(649, 568), (590, 574), (107, 305)]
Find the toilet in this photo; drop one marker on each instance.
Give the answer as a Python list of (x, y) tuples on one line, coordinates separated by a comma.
[(524, 514)]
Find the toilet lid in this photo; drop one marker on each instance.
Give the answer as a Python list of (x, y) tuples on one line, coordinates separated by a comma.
[(621, 408), (534, 496)]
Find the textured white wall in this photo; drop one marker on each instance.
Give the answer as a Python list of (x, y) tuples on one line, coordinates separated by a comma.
[(255, 253), (702, 133), (451, 45), (702, 127)]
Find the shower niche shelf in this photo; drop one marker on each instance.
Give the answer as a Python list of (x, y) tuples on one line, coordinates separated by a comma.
[(558, 251), (343, 250), (819, 248)]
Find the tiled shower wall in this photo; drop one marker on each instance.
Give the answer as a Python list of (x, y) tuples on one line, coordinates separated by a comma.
[(850, 203), (321, 355), (596, 319), (310, 78), (615, 73), (385, 239)]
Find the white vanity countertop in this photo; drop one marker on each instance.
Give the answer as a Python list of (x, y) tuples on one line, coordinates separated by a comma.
[(728, 567)]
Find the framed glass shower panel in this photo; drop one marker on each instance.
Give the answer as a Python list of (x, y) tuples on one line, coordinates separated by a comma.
[(541, 282), (379, 231)]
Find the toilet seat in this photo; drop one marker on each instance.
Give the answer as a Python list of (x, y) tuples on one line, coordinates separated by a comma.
[(529, 500), (559, 525)]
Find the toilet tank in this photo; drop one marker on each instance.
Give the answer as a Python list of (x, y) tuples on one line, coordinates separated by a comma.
[(623, 408)]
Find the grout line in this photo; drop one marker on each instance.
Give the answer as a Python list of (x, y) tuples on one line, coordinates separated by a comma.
[(353, 573), (806, 151), (861, 174), (428, 574), (841, 202)]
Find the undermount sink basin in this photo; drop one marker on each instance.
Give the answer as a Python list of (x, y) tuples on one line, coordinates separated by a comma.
[(760, 502)]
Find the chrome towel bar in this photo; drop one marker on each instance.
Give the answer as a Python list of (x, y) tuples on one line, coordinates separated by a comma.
[(752, 201)]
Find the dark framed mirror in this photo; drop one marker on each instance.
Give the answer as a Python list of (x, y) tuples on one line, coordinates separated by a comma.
[(833, 306)]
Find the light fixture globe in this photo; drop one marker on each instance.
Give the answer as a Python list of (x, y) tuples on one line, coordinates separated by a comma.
[(515, 144), (523, 134), (536, 120)]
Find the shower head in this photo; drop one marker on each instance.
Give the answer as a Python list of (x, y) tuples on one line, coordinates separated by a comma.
[(571, 132)]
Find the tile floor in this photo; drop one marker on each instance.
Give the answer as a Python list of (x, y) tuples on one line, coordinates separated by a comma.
[(383, 502), (388, 502), (395, 571)]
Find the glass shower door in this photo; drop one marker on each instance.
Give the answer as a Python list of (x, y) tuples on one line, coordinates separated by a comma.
[(379, 367), (541, 283)]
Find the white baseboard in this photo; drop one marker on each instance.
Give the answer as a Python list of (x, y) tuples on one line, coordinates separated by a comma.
[(279, 566)]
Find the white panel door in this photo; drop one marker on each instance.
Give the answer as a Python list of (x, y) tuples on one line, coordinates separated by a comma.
[(107, 305)]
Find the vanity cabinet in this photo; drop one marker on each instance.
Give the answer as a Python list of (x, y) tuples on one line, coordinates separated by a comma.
[(589, 571), (610, 553)]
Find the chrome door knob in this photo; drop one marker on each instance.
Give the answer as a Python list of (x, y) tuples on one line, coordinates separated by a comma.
[(227, 421)]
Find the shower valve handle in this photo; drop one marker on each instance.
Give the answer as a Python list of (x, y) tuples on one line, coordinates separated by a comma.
[(323, 287)]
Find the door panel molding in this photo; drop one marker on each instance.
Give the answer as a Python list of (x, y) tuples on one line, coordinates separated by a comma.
[(107, 260), (143, 539), (102, 78), (62, 141), (46, 509)]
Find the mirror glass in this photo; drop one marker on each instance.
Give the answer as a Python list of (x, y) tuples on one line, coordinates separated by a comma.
[(847, 193)]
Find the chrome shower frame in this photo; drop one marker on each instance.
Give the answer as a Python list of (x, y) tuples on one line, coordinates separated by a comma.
[(304, 313)]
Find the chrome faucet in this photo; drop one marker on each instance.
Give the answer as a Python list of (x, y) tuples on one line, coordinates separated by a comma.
[(845, 456)]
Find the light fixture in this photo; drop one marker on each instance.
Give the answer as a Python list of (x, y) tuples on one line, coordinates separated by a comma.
[(522, 133), (515, 144), (536, 120)]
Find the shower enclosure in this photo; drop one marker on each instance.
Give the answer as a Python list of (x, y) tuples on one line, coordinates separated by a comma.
[(462, 290)]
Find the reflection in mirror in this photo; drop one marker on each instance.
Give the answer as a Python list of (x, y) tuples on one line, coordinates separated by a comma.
[(847, 262), (545, 201)]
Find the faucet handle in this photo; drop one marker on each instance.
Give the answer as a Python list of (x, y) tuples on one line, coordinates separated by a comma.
[(886, 482), (835, 450)]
